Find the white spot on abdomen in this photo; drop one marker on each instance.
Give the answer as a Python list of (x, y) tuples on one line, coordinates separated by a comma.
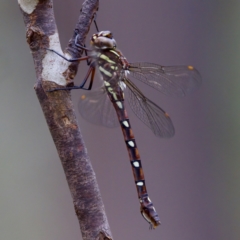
[(136, 164), (140, 184), (119, 104), (125, 123), (131, 143)]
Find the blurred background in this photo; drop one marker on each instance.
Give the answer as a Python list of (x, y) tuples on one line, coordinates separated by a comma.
[(193, 179)]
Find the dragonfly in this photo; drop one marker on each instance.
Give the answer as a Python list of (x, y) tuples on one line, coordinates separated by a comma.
[(105, 105)]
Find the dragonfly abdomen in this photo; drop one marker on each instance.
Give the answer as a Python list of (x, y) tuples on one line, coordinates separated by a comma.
[(146, 206)]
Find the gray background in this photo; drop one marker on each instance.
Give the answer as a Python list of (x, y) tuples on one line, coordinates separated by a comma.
[(193, 178)]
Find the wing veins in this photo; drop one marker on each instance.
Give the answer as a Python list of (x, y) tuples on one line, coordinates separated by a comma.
[(149, 112), (172, 80)]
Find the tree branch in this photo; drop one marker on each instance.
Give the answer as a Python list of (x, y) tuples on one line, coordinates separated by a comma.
[(52, 71)]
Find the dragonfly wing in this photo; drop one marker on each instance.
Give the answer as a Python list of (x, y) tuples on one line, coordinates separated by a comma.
[(149, 113), (171, 80), (95, 107)]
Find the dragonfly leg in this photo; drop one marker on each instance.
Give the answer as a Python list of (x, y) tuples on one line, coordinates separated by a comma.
[(84, 48), (79, 45), (91, 71), (95, 21), (71, 59), (88, 61)]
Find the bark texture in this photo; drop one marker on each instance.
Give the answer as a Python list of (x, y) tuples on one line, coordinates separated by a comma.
[(60, 116)]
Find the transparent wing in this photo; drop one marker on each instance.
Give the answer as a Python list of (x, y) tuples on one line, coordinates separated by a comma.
[(95, 107), (172, 80), (149, 113)]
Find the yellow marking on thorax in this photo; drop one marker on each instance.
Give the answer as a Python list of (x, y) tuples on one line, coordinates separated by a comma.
[(107, 84), (114, 68), (106, 58), (115, 53), (105, 71)]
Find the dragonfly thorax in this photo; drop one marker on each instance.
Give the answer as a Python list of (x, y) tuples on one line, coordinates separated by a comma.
[(103, 40), (111, 63)]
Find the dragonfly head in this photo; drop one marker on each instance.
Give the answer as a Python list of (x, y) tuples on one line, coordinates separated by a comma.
[(103, 40)]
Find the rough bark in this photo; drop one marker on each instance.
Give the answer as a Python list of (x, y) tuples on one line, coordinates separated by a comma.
[(41, 33)]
